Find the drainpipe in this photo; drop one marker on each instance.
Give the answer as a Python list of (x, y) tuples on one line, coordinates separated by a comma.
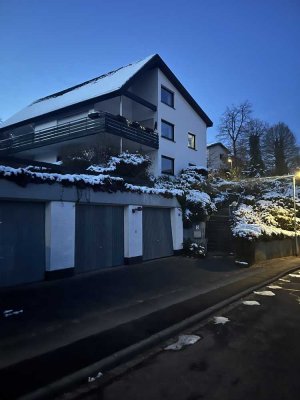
[(121, 113)]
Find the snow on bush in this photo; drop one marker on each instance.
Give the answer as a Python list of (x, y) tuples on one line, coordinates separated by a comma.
[(125, 164), (194, 249), (267, 214), (193, 197), (100, 182)]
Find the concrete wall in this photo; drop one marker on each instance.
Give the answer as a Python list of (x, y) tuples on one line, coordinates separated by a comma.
[(60, 235), (133, 233), (253, 252), (57, 192)]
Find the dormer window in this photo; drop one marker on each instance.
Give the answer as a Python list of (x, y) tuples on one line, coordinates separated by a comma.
[(167, 97)]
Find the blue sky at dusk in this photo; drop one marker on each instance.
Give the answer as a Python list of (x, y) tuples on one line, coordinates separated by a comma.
[(223, 51)]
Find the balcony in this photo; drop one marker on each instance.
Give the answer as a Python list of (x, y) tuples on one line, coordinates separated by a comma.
[(102, 122)]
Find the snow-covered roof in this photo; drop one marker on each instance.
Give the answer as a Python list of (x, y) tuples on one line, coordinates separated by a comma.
[(103, 84), (217, 144), (107, 84)]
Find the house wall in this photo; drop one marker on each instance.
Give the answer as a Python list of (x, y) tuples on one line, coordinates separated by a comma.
[(185, 120), (214, 160)]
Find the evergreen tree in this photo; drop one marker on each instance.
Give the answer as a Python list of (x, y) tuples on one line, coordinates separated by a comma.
[(256, 130), (280, 149)]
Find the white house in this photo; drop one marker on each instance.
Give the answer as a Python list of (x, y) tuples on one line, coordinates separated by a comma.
[(218, 156), (140, 107)]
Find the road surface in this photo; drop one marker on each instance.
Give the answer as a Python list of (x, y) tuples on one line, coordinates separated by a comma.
[(256, 355)]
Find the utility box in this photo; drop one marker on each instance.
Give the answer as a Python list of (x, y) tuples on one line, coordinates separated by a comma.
[(199, 230)]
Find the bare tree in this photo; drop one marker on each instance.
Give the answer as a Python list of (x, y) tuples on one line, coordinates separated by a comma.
[(233, 126), (280, 148)]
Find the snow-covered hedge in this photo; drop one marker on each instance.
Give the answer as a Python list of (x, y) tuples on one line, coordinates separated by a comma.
[(125, 165), (269, 214), (194, 199), (190, 186), (99, 182)]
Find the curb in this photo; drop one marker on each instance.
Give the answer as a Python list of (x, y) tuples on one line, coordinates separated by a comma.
[(57, 387)]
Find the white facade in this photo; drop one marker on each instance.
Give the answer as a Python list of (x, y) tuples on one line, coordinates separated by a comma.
[(185, 120)]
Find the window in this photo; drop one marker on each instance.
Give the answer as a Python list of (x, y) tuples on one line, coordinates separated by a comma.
[(167, 130), (191, 141), (167, 165), (167, 97)]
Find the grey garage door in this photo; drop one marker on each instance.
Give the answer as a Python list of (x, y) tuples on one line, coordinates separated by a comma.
[(157, 233), (22, 242), (99, 237)]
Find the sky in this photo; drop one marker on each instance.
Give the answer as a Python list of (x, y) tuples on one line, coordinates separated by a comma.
[(223, 51)]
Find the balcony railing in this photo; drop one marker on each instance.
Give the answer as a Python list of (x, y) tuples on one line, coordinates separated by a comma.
[(105, 122)]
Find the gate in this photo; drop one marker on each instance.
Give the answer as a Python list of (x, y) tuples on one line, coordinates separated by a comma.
[(22, 242), (157, 233), (99, 240)]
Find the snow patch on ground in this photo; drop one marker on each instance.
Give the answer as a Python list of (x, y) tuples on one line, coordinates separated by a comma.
[(251, 303), (265, 293), (10, 313), (93, 378), (241, 262), (221, 320), (274, 287), (183, 340), (284, 280), (294, 275)]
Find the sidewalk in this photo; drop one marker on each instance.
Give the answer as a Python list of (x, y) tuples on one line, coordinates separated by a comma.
[(68, 324)]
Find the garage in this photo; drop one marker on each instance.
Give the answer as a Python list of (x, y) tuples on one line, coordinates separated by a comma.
[(157, 233), (99, 237), (22, 242)]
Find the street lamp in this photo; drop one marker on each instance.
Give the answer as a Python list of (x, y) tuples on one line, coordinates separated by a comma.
[(230, 162), (295, 176)]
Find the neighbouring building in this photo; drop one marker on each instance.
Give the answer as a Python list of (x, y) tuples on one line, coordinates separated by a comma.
[(140, 107), (218, 156)]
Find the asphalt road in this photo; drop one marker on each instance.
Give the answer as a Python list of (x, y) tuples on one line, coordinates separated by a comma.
[(256, 355)]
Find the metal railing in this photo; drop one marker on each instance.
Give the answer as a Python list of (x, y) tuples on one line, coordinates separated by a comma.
[(78, 128)]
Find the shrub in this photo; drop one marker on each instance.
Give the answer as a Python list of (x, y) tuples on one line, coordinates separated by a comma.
[(193, 249)]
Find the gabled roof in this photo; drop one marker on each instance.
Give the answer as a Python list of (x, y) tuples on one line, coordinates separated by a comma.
[(218, 144), (104, 86)]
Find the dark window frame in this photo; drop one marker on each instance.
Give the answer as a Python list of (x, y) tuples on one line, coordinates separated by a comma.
[(170, 92), (194, 136), (173, 165), (170, 124)]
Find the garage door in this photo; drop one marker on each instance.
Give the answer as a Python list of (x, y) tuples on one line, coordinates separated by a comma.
[(157, 233), (22, 242), (99, 237)]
